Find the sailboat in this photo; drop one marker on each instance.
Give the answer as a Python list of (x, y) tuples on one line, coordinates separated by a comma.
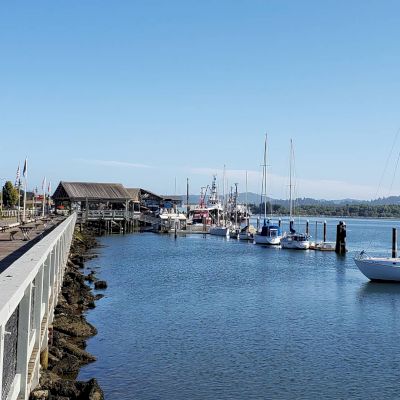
[(247, 233), (270, 234), (379, 268), (293, 240)]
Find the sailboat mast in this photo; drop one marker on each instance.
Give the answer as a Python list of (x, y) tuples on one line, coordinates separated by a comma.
[(290, 180), (247, 205), (265, 178)]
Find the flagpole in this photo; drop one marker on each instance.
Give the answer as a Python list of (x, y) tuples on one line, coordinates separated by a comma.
[(25, 173), (44, 195), (24, 212), (19, 201)]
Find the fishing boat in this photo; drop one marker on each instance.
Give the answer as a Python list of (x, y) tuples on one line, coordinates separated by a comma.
[(292, 239), (217, 212), (378, 268), (269, 234)]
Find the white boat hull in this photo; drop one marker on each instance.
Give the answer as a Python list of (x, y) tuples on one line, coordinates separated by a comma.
[(245, 236), (288, 243), (383, 269), (267, 240), (219, 231)]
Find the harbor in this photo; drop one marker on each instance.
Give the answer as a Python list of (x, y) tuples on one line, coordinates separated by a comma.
[(280, 324), (199, 200)]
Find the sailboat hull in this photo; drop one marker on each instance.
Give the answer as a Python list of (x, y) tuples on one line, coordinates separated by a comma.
[(219, 231), (380, 269), (289, 243), (267, 240)]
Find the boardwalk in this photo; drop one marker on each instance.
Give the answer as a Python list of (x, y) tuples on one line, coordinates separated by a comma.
[(10, 250)]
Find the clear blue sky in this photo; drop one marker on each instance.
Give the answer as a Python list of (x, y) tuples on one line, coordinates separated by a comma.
[(141, 92)]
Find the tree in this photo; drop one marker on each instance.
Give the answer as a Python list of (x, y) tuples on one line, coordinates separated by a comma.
[(10, 195)]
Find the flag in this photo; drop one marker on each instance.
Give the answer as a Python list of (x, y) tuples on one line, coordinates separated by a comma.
[(36, 190), (17, 178), (25, 171), (49, 188), (44, 184)]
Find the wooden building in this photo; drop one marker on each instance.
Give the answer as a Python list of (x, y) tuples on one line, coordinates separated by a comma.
[(147, 201), (82, 196)]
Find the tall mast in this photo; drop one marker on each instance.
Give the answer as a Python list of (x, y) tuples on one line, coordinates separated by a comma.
[(247, 210), (290, 179), (265, 178)]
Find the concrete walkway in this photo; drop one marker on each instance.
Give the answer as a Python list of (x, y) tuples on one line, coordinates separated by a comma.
[(11, 250)]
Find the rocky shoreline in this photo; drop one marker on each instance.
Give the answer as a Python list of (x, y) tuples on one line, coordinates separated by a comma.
[(70, 330)]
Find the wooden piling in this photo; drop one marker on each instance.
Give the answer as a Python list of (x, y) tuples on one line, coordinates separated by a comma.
[(324, 231), (394, 243), (341, 238), (307, 227)]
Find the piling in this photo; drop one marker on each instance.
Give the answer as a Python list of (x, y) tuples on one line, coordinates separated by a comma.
[(341, 238), (307, 227), (394, 243), (324, 231), (279, 222)]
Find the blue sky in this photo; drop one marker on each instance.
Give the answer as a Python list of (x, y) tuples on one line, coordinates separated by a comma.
[(143, 92)]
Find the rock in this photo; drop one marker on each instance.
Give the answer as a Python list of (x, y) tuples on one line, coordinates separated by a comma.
[(79, 353), (100, 285), (98, 296), (75, 326), (91, 390), (68, 367), (90, 277), (39, 395)]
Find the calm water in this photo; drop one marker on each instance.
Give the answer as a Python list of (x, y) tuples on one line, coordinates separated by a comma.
[(207, 318)]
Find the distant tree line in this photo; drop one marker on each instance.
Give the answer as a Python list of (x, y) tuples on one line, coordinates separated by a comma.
[(344, 210)]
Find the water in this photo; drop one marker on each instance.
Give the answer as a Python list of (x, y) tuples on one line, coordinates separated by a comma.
[(207, 318)]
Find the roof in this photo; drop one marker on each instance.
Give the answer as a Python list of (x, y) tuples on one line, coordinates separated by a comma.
[(80, 191), (134, 193), (173, 197)]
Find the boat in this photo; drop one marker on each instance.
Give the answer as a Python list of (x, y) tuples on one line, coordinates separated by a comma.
[(292, 239), (199, 216), (247, 233), (219, 231), (269, 234), (378, 268), (216, 210)]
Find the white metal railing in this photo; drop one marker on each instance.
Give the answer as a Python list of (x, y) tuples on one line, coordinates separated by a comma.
[(109, 214), (29, 213), (29, 286)]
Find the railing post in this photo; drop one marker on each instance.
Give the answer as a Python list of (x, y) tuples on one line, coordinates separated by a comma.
[(24, 319), (1, 356)]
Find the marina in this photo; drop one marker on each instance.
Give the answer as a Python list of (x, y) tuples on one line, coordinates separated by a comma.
[(279, 324), (200, 200)]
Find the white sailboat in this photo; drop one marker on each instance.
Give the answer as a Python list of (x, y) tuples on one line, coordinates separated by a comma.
[(270, 234), (292, 239), (379, 268)]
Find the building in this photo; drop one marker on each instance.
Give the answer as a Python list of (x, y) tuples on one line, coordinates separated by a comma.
[(82, 196)]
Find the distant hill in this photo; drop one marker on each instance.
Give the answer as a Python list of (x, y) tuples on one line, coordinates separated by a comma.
[(254, 198)]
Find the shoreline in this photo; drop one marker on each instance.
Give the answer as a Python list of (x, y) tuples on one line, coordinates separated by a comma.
[(70, 329)]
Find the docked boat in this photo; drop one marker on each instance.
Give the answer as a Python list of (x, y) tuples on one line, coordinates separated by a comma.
[(269, 234), (292, 239), (219, 231), (378, 268), (296, 241), (247, 233)]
